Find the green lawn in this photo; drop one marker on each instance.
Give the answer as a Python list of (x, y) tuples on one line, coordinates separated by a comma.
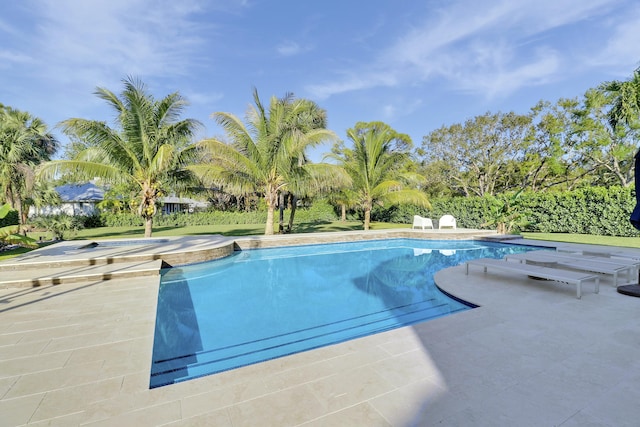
[(258, 229), (631, 242)]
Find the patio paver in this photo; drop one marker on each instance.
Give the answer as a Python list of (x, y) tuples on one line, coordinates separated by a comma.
[(79, 354)]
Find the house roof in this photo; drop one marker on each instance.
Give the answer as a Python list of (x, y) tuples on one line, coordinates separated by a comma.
[(88, 192), (184, 201)]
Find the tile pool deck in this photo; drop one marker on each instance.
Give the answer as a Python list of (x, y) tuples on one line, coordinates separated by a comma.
[(79, 353)]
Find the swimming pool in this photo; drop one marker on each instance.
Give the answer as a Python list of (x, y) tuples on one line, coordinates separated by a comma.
[(261, 304)]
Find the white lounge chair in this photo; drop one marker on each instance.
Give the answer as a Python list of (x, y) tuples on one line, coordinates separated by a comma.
[(447, 221), (422, 222), (575, 262), (555, 274), (601, 251)]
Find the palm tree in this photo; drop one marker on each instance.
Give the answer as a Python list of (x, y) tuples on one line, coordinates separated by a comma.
[(44, 195), (24, 143), (375, 164), (626, 109), (148, 148), (267, 154), (312, 179), (345, 198), (626, 104)]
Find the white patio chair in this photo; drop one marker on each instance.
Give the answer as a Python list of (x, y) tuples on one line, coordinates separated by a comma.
[(421, 222), (447, 221)]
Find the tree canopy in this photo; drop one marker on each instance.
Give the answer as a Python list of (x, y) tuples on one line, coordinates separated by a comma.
[(25, 142), (148, 147), (377, 163), (266, 155)]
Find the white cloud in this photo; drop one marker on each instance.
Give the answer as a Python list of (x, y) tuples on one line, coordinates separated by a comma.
[(8, 57), (400, 108), (388, 111), (204, 99), (352, 83), (501, 81), (487, 47), (290, 48), (100, 39), (622, 49)]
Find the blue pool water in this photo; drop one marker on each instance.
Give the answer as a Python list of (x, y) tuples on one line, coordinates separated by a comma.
[(261, 304)]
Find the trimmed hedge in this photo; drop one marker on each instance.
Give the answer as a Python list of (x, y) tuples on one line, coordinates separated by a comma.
[(595, 210), (598, 211), (184, 219), (320, 211)]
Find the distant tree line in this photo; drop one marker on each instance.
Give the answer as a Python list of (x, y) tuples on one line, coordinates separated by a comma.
[(566, 145), (261, 161)]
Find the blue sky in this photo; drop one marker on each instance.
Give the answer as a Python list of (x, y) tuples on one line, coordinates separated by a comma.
[(416, 65)]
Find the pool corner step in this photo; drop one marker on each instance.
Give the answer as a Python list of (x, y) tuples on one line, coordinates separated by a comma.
[(77, 273), (98, 261)]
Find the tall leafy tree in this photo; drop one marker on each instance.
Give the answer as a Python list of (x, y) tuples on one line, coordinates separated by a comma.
[(548, 158), (148, 147), (266, 155), (475, 155), (377, 166), (604, 148), (25, 141)]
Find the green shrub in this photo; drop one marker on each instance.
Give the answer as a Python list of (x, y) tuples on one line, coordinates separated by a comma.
[(11, 218), (595, 210), (319, 211), (111, 219), (92, 221), (60, 226)]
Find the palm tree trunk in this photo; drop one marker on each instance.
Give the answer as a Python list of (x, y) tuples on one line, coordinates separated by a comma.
[(268, 229), (148, 226), (367, 218), (271, 197), (294, 202), (21, 215), (9, 196), (343, 216), (281, 209)]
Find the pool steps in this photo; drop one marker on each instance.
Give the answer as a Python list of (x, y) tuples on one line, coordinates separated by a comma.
[(77, 261), (17, 278), (188, 366)]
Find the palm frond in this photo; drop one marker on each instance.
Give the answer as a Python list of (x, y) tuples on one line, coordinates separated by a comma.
[(408, 196), (10, 235), (162, 160), (88, 170)]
